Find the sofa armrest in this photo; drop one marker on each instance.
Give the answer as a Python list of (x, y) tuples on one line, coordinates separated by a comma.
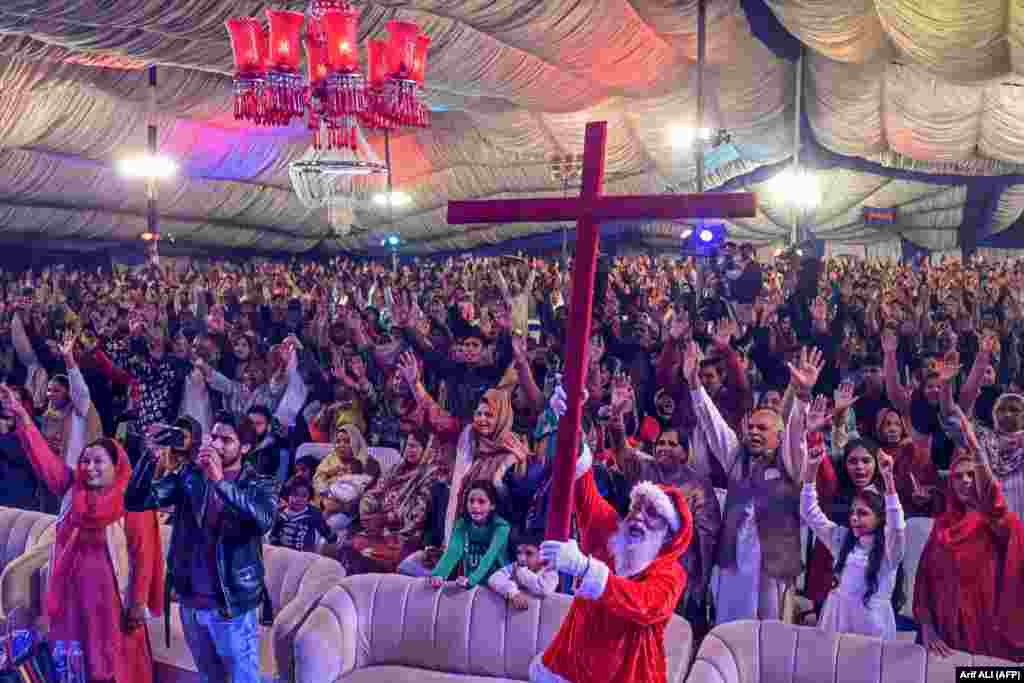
[(326, 645), (17, 581)]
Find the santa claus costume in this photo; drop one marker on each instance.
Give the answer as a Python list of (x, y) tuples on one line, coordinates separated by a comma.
[(615, 628)]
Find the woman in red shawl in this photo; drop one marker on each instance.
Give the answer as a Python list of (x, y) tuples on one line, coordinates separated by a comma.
[(970, 583), (96, 594)]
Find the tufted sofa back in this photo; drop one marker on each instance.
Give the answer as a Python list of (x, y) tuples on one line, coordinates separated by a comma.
[(387, 619), (22, 530), (774, 652)]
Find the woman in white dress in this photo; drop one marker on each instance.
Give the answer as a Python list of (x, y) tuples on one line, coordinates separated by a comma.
[(868, 553)]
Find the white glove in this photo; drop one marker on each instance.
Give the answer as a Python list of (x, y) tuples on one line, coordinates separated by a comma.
[(559, 402), (566, 557)]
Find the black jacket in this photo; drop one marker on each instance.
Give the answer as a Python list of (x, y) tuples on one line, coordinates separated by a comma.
[(250, 508)]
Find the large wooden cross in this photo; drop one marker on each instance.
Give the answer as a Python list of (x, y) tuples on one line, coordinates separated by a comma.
[(588, 210)]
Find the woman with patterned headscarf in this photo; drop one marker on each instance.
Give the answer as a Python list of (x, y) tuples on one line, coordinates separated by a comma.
[(1004, 447), (393, 512)]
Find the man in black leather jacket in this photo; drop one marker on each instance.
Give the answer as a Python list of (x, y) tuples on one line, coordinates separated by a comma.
[(221, 512)]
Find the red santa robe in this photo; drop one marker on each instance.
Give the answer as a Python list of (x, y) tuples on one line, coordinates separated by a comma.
[(615, 628)]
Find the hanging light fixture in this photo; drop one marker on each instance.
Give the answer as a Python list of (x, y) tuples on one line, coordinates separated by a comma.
[(338, 179), (333, 96)]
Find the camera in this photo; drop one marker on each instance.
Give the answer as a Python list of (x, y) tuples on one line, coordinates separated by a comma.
[(171, 437)]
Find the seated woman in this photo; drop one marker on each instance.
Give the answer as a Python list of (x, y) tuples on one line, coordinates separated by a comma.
[(393, 513), (96, 595), (349, 457), (970, 582)]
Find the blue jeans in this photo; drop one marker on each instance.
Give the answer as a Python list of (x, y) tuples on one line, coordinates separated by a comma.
[(223, 649)]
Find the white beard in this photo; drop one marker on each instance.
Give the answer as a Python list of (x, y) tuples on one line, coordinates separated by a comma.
[(631, 558)]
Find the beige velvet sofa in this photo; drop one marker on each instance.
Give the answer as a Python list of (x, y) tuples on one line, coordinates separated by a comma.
[(295, 581), (25, 539), (774, 652), (386, 627)]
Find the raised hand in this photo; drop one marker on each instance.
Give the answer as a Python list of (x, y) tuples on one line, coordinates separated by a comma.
[(844, 398), (680, 326), (409, 369), (725, 330), (819, 311), (519, 347), (67, 347), (885, 468), (12, 404), (691, 365), (804, 375), (890, 341), (811, 464), (989, 343), (819, 415), (949, 368), (622, 395), (516, 447)]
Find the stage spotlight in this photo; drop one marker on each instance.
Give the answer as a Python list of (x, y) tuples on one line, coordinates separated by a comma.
[(705, 238)]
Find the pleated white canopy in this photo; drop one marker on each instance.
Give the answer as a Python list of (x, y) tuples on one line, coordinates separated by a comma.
[(512, 83)]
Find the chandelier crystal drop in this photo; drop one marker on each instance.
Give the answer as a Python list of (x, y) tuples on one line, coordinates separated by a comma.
[(333, 95)]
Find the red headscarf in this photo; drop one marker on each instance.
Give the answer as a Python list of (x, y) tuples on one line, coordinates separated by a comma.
[(97, 509), (980, 552)]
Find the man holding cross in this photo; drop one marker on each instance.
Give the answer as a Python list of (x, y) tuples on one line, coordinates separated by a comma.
[(615, 629)]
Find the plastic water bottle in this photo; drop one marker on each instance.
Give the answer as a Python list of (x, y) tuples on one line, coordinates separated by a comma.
[(21, 643), (60, 661), (76, 663)]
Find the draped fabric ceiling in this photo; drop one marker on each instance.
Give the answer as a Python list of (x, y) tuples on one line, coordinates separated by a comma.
[(934, 87)]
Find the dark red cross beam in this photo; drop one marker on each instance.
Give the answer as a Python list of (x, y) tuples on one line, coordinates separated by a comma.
[(588, 210)]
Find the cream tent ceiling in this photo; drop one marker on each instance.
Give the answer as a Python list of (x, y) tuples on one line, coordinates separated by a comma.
[(932, 87)]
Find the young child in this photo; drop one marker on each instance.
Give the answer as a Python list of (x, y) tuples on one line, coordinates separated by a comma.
[(299, 522), (305, 467), (479, 541), (868, 554), (528, 574)]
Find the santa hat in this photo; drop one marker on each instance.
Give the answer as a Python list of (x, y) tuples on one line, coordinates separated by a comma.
[(661, 497)]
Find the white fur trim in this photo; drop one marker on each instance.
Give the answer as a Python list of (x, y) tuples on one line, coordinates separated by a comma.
[(541, 674), (594, 581), (584, 462), (664, 505)]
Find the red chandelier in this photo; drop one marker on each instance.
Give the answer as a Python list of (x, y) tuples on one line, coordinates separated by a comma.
[(333, 95)]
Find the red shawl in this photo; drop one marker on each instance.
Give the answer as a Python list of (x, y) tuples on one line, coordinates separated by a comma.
[(970, 583), (98, 509)]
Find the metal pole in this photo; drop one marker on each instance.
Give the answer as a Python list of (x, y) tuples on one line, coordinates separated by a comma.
[(391, 199), (698, 147), (152, 218), (795, 235), (565, 226)]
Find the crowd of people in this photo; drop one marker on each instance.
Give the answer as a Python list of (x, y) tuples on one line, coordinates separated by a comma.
[(404, 419)]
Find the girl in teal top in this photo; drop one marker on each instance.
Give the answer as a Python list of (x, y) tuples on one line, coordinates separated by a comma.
[(479, 540)]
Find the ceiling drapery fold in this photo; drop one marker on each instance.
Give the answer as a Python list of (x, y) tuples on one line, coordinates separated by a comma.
[(930, 87)]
